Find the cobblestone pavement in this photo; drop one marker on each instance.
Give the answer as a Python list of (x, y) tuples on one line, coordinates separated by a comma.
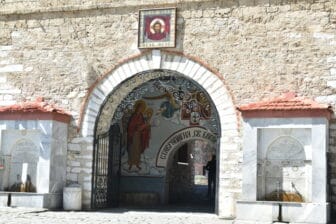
[(115, 216)]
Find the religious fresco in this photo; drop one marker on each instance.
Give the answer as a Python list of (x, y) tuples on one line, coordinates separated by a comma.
[(138, 132), (152, 112), (157, 28), (196, 107)]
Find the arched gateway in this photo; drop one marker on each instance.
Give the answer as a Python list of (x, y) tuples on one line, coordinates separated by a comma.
[(102, 110)]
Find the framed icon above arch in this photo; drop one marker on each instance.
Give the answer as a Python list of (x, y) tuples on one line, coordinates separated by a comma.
[(157, 28), (190, 67)]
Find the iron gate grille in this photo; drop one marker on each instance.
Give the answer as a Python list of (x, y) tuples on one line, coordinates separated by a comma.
[(107, 164)]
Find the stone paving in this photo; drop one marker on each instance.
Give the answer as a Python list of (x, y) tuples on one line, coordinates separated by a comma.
[(115, 216)]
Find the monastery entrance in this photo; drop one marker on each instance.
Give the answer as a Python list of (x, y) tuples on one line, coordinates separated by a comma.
[(156, 151), (156, 98)]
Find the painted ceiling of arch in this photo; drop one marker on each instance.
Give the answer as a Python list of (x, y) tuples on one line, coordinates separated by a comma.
[(155, 110)]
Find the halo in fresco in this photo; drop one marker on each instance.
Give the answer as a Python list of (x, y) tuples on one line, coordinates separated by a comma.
[(152, 112)]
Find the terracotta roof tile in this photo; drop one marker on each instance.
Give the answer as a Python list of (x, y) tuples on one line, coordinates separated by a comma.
[(287, 105), (34, 106), (288, 101)]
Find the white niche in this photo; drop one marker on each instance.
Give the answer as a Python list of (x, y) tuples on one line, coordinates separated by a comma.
[(24, 162), (284, 155), (284, 164)]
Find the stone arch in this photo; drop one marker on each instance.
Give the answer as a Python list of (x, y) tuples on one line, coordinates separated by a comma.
[(181, 137), (190, 67), (24, 150), (211, 81), (286, 147)]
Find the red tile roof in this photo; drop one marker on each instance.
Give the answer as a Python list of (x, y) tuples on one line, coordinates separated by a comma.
[(287, 105), (33, 106), (37, 109)]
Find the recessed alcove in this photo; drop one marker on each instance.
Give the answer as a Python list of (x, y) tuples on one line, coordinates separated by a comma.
[(33, 150), (284, 161), (284, 164)]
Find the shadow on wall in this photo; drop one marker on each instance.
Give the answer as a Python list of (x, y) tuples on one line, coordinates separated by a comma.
[(331, 172)]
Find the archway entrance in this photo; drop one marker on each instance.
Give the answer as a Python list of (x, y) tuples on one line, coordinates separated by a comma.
[(102, 100), (154, 118), (188, 183)]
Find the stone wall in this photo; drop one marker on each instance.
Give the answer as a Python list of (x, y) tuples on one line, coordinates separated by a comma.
[(57, 49), (30, 6), (270, 47)]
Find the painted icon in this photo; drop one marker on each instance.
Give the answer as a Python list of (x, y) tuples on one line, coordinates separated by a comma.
[(157, 28)]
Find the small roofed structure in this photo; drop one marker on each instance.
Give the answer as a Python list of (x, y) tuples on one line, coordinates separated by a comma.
[(33, 153), (285, 161), (34, 110), (287, 105)]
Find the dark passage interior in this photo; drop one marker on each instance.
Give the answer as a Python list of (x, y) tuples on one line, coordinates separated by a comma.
[(188, 177)]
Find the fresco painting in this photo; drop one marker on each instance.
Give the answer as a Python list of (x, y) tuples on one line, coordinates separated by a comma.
[(196, 107), (151, 113), (138, 133)]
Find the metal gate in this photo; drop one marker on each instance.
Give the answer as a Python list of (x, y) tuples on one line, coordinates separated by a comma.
[(106, 169)]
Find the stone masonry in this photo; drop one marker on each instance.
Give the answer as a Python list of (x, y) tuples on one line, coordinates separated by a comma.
[(259, 49)]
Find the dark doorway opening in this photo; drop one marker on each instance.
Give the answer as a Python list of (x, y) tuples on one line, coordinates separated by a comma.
[(187, 178)]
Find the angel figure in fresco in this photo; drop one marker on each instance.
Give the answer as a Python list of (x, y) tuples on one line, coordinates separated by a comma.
[(168, 107), (138, 134)]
